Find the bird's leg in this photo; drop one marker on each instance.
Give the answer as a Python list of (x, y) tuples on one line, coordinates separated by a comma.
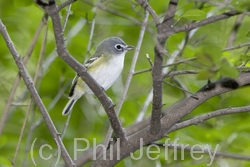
[(111, 104)]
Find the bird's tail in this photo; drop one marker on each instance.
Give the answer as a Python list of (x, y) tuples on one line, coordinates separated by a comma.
[(68, 107)]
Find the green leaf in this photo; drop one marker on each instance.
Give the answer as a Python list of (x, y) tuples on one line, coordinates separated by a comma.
[(205, 74), (205, 59), (248, 34), (194, 14), (226, 69), (209, 55), (245, 57), (214, 51)]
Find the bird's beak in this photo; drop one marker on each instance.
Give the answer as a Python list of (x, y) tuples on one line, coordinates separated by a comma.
[(128, 47)]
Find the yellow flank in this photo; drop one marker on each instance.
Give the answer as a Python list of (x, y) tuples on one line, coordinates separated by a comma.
[(80, 82), (98, 63), (101, 61), (79, 86)]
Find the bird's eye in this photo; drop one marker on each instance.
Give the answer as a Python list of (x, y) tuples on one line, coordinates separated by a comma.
[(118, 47)]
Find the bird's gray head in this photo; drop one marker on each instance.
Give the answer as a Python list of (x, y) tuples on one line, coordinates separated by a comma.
[(114, 46)]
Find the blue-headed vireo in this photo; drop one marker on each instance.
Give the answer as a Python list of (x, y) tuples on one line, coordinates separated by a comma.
[(105, 66)]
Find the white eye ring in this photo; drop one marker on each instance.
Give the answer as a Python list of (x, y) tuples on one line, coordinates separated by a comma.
[(119, 47)]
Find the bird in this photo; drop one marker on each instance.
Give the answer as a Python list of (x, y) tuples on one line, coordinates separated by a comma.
[(105, 66)]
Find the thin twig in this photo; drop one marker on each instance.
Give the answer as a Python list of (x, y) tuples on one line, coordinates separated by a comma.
[(236, 47), (206, 21), (145, 106), (67, 17), (181, 85), (115, 12), (207, 116), (21, 133), (181, 72), (146, 6), (149, 60), (29, 139), (178, 87), (164, 66), (235, 30), (91, 34), (206, 151), (69, 2)]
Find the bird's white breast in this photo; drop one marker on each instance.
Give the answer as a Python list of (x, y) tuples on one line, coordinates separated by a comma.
[(107, 73)]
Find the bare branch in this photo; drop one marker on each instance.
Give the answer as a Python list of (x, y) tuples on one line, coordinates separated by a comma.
[(146, 6), (208, 91), (206, 21), (155, 125), (67, 17), (207, 116), (169, 16), (104, 8), (237, 47), (91, 34), (82, 72), (235, 30), (181, 72), (216, 153), (173, 115), (131, 71), (18, 77), (69, 2), (178, 87), (35, 95), (165, 28), (144, 107), (149, 60), (164, 66)]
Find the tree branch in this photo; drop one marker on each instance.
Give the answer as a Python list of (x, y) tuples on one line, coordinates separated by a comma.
[(207, 116), (104, 8), (155, 125), (18, 77), (69, 2), (237, 47), (216, 153), (168, 65), (52, 11), (35, 95), (181, 72), (206, 21), (173, 115), (147, 7), (208, 91), (131, 72)]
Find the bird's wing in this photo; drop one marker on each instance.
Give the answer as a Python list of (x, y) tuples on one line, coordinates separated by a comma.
[(74, 82), (91, 60), (87, 65)]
